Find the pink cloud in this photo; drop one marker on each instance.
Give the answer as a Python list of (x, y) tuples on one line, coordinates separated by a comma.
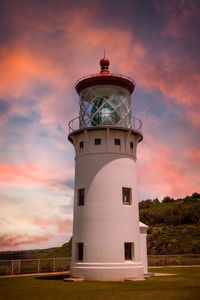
[(164, 170), (27, 174), (21, 174), (169, 75), (14, 174), (62, 225), (7, 242), (194, 155)]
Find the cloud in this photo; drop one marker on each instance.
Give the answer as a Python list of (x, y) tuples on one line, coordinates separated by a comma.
[(164, 170), (24, 68), (182, 17), (27, 174), (62, 225), (8, 242), (4, 107), (48, 223)]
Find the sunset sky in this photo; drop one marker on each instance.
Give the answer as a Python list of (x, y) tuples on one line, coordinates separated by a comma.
[(45, 46)]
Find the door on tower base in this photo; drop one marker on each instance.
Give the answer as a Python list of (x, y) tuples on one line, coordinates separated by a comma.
[(79, 251), (129, 251)]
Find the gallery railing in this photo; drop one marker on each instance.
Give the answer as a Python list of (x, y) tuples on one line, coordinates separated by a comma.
[(77, 123)]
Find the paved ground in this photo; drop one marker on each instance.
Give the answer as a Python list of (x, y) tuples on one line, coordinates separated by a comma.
[(34, 274), (163, 274)]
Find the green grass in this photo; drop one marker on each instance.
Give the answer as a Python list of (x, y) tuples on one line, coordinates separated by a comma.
[(186, 285)]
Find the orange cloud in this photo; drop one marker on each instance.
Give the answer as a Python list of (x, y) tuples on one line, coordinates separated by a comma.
[(20, 68)]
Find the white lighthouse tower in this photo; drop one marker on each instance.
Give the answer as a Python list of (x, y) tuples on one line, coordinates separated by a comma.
[(109, 242)]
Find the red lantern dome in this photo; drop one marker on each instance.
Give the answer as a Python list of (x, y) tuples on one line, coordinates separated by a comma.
[(105, 78)]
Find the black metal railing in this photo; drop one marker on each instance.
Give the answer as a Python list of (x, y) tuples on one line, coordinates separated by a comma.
[(77, 123)]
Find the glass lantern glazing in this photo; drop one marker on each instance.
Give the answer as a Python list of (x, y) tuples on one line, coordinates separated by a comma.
[(105, 105)]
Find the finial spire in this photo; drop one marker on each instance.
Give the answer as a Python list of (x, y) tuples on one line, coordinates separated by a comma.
[(104, 63)]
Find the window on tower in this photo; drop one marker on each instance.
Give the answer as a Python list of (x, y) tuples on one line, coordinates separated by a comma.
[(97, 141), (117, 142), (129, 251), (81, 197), (126, 195), (80, 251), (131, 147), (81, 144)]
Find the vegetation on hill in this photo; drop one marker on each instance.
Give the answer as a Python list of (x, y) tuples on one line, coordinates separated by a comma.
[(174, 225), (63, 251)]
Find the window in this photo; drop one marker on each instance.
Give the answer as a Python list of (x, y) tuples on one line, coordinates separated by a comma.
[(81, 197), (129, 251), (97, 141), (117, 141), (81, 145), (126, 194), (131, 147), (80, 251)]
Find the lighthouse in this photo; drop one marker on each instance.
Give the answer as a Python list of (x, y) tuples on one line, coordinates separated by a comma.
[(109, 242)]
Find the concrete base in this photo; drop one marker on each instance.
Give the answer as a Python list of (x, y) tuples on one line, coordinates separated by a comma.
[(70, 279), (149, 274), (135, 279), (107, 271)]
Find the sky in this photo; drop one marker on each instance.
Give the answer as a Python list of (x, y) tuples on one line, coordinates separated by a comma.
[(45, 46)]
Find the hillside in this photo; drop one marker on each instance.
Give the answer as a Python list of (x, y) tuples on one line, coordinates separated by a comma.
[(174, 225)]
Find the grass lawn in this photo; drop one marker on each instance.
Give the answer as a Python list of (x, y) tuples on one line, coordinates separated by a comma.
[(186, 285)]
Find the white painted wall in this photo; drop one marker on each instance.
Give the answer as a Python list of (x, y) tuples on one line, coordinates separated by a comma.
[(143, 245), (104, 224)]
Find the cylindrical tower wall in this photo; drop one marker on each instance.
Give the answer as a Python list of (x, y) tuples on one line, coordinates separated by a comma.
[(104, 223)]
